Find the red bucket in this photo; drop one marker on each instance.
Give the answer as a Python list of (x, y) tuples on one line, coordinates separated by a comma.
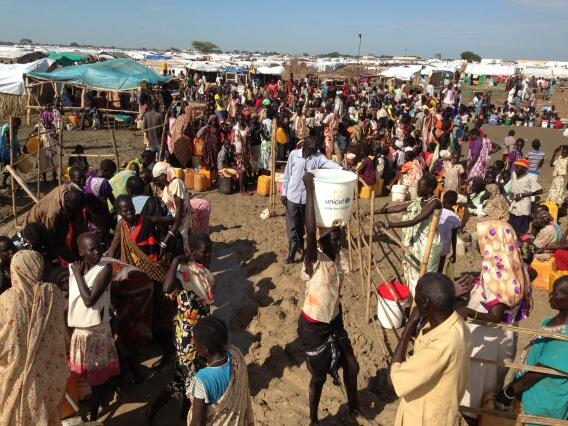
[(394, 291)]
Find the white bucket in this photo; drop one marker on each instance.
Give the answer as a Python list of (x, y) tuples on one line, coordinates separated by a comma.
[(389, 312), (334, 190), (398, 193)]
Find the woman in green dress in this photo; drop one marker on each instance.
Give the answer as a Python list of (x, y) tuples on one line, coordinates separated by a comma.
[(416, 220)]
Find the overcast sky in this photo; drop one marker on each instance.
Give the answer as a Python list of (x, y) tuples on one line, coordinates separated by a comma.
[(509, 29)]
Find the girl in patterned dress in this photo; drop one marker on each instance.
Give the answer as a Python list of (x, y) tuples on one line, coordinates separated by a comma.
[(191, 284)]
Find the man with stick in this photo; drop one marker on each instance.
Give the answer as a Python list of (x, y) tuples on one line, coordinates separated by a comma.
[(432, 381), (300, 162)]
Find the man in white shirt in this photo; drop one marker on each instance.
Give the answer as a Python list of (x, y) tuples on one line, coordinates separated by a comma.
[(522, 189), (430, 89)]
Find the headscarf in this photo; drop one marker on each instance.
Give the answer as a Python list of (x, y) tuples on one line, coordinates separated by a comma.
[(99, 187), (33, 364), (163, 168), (503, 276), (541, 219), (46, 118)]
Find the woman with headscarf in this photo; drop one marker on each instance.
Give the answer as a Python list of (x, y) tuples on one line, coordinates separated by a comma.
[(543, 229), (480, 149), (48, 135), (178, 202), (495, 206), (183, 132), (501, 294), (98, 193), (61, 212), (417, 220), (33, 363), (210, 133)]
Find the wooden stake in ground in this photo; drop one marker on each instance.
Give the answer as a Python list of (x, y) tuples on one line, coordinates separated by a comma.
[(60, 152), (359, 245), (272, 207), (12, 182), (370, 258), (38, 158), (431, 235)]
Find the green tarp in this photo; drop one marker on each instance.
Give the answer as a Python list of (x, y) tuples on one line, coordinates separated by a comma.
[(66, 58), (115, 74)]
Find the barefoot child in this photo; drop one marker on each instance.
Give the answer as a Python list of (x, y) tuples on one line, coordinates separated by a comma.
[(93, 353)]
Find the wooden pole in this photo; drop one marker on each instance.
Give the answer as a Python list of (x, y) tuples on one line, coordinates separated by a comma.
[(520, 418), (116, 157), (273, 170), (38, 154), (523, 330), (431, 235), (29, 102), (60, 151), (22, 183), (12, 183), (370, 257), (359, 248), (349, 248)]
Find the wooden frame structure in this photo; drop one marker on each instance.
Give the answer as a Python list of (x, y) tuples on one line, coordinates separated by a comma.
[(360, 242), (18, 179)]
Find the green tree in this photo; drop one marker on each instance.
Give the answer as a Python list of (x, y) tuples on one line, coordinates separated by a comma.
[(26, 41), (205, 46), (470, 56)]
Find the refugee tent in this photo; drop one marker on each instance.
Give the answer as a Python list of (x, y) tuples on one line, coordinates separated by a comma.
[(490, 69), (270, 70), (67, 58), (115, 75), (12, 75), (402, 72)]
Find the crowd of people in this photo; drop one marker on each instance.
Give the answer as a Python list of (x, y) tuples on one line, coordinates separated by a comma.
[(127, 252)]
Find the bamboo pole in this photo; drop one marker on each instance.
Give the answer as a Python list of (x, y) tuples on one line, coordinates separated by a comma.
[(70, 154), (431, 235), (523, 330), (60, 152), (522, 418), (12, 183), (370, 258), (38, 155), (74, 109), (29, 101), (349, 248), (359, 248), (272, 207), (22, 183), (116, 158), (521, 367)]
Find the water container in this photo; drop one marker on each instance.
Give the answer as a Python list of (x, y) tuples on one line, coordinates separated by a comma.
[(74, 120), (389, 313), (225, 185), (207, 173), (281, 137), (263, 186), (366, 191), (200, 182), (188, 179), (197, 147), (398, 193), (32, 145), (334, 191), (179, 173), (24, 163)]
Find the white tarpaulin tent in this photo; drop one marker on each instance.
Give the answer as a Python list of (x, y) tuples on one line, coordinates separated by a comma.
[(403, 72), (277, 70), (490, 69), (12, 75)]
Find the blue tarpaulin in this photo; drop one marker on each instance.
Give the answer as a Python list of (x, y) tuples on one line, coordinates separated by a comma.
[(236, 70), (115, 74), (157, 57)]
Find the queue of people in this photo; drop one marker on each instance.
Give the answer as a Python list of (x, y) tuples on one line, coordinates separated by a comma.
[(143, 228)]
